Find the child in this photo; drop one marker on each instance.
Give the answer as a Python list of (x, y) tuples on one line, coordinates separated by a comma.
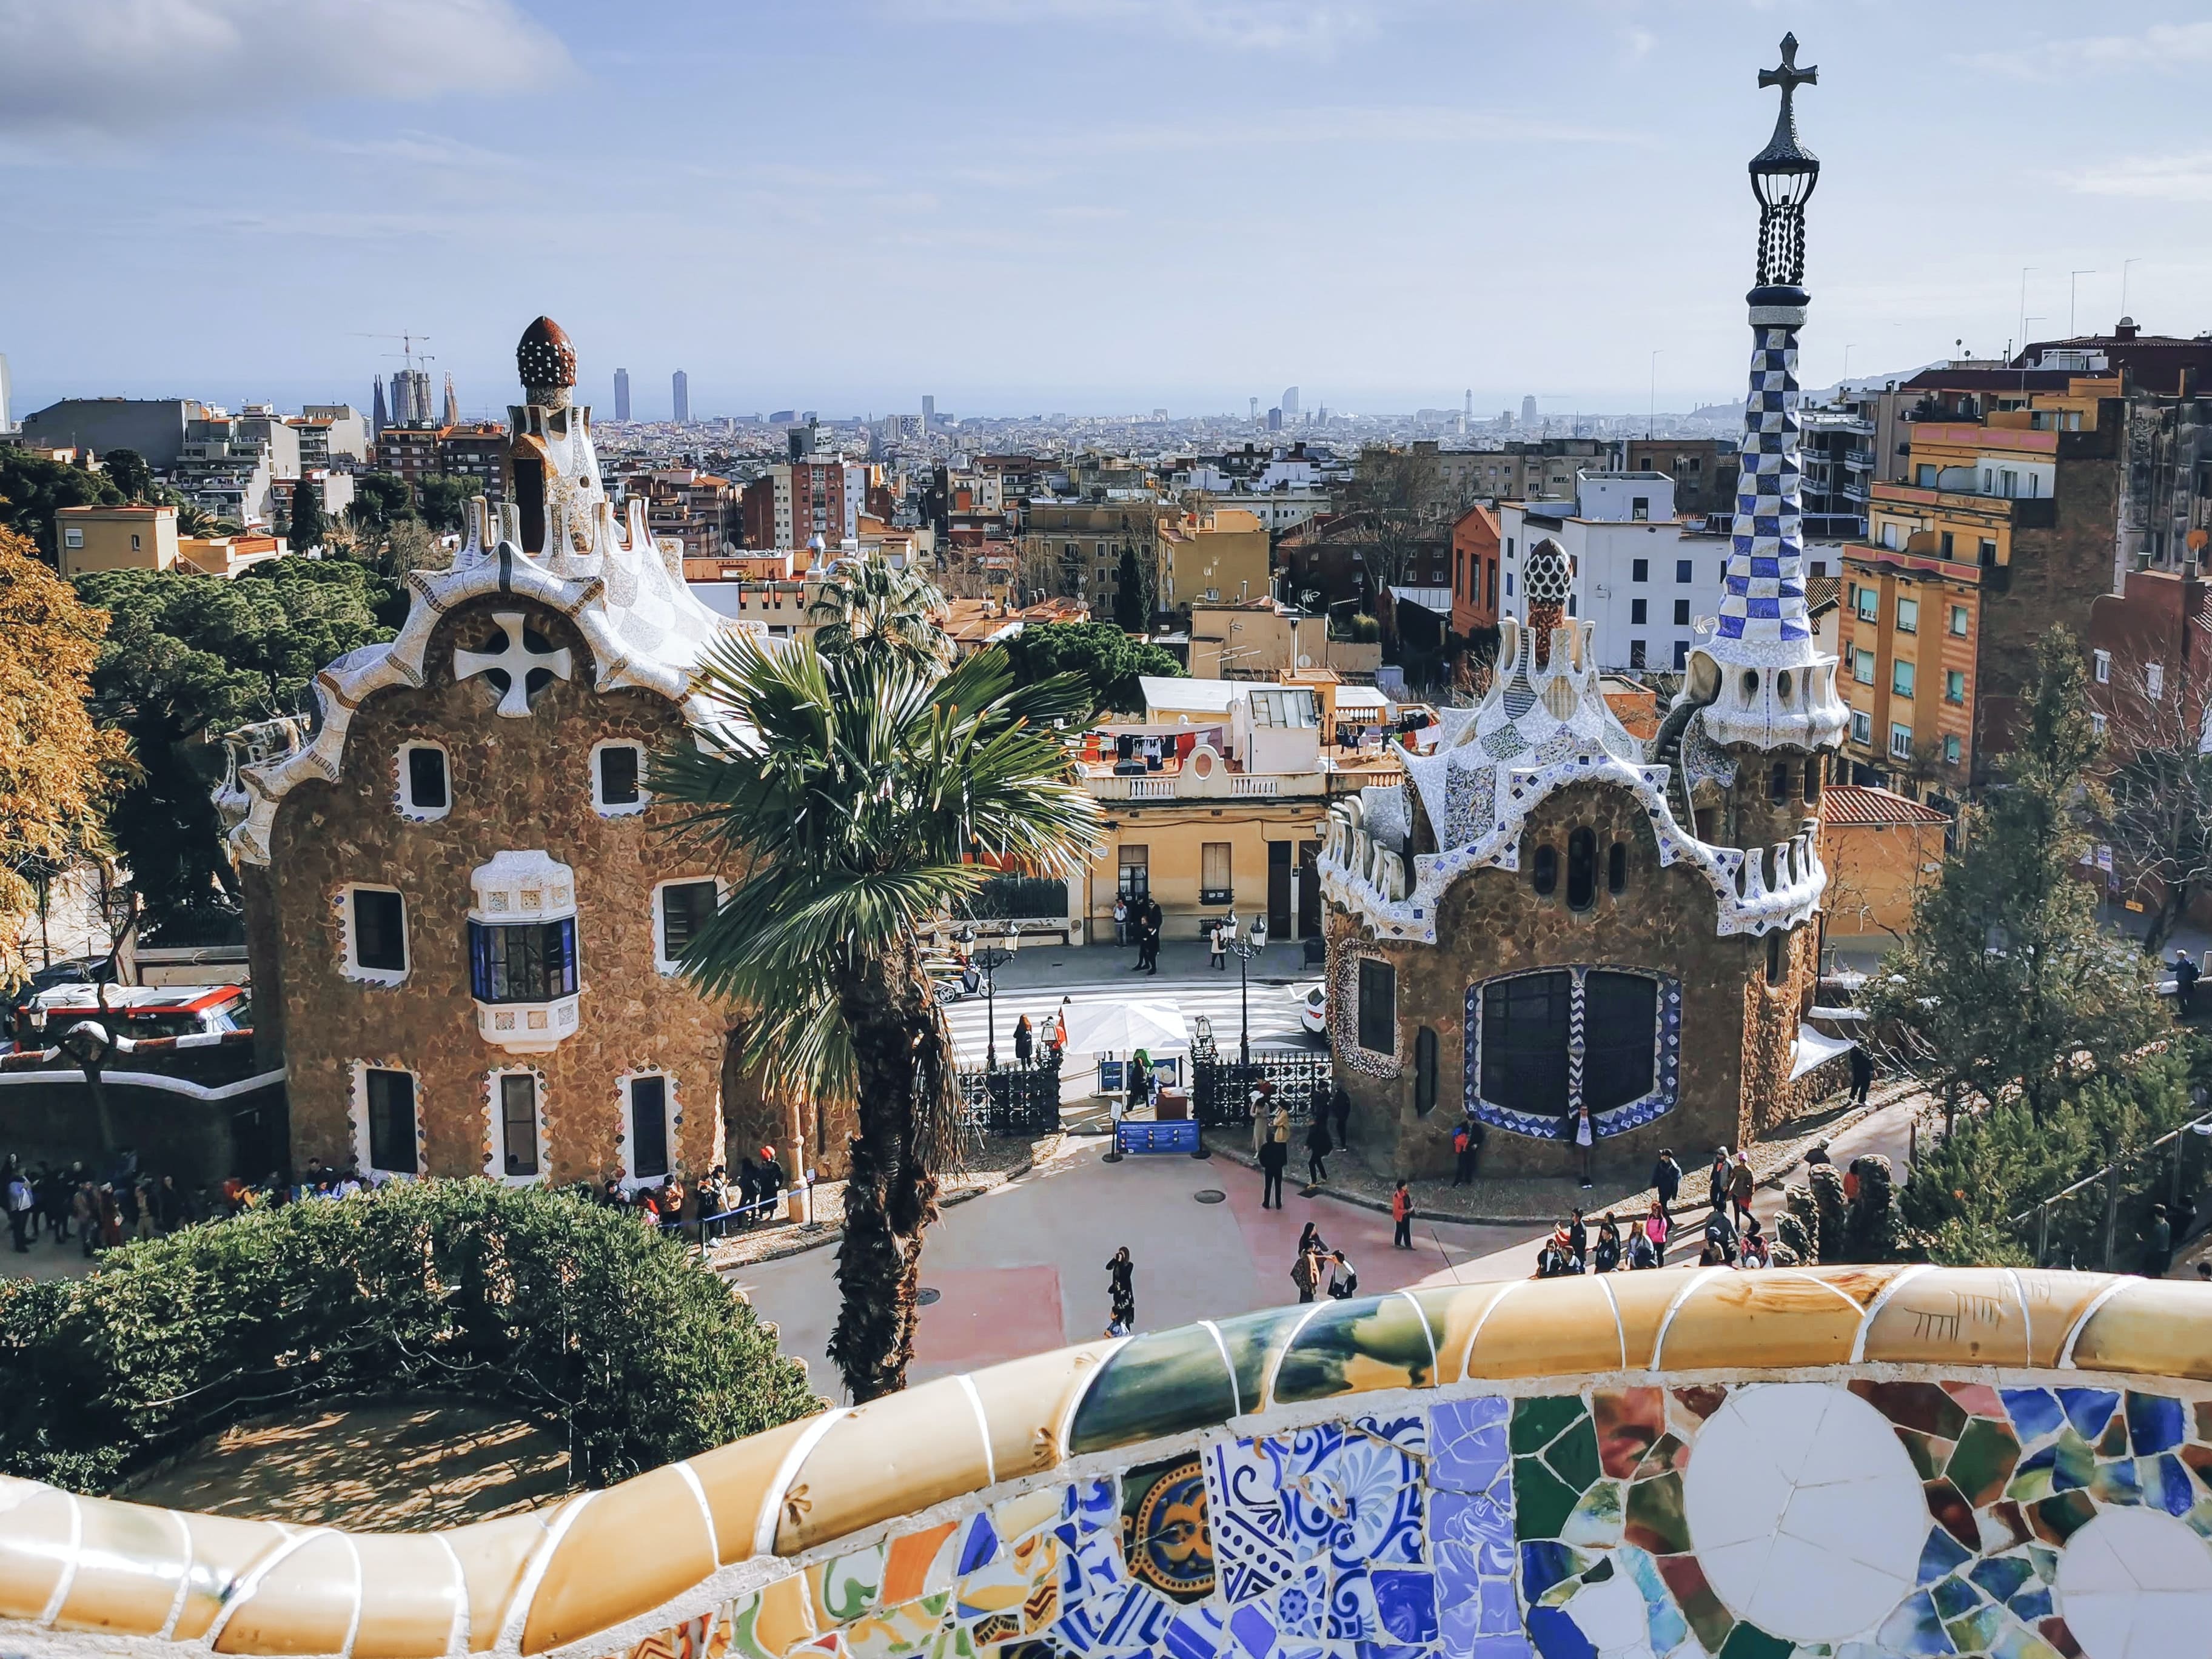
[(1401, 1212)]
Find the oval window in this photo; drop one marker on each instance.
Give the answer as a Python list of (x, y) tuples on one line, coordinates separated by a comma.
[(1545, 872), (1582, 869), (1425, 1071)]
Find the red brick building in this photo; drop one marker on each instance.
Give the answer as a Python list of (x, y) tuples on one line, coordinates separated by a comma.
[(1474, 571)]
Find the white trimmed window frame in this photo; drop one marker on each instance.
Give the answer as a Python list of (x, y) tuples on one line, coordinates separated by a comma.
[(350, 964), (403, 781), (357, 1114), (671, 1107), (607, 809), (662, 962), (496, 1129)]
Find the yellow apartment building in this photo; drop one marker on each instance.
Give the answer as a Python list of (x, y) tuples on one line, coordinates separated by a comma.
[(1215, 801), (1220, 557), (2005, 530), (1881, 851)]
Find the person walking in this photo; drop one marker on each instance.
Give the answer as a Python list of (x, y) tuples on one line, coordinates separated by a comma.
[(1024, 1041), (1862, 1073), (1216, 947), (1121, 1287), (1059, 1026), (1340, 1108), (1656, 1228), (1741, 1184), (1402, 1215), (1578, 1241), (1463, 1154), (2158, 1244), (1717, 1178), (1343, 1278), (2184, 983), (1666, 1176), (1318, 1146), (1120, 919), (1720, 1234), (1585, 1145)]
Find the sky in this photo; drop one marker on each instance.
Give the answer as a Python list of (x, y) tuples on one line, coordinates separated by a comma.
[(1094, 206)]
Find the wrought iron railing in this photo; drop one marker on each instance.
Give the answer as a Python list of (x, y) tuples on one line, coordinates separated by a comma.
[(2082, 1225), (1014, 1100), (1221, 1088)]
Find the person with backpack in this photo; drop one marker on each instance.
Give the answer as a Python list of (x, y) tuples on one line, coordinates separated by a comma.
[(1024, 1041), (1463, 1154), (1605, 1255), (1717, 1178), (1402, 1215), (1122, 1289), (1666, 1176), (1741, 1185)]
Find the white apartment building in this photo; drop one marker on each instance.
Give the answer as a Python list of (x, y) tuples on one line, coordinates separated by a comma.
[(1640, 573)]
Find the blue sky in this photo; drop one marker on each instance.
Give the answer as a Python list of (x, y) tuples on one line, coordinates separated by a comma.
[(1032, 205)]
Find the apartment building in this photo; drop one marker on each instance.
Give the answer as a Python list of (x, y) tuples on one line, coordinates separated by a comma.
[(1476, 544), (1074, 548), (1705, 470), (795, 501), (1211, 556), (229, 464), (2005, 531), (140, 537), (332, 436), (1642, 576)]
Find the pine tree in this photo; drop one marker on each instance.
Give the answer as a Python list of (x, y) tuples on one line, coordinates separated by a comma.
[(309, 524), (1133, 594), (2008, 987)]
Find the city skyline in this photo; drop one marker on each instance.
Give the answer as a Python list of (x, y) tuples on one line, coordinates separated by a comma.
[(1385, 204)]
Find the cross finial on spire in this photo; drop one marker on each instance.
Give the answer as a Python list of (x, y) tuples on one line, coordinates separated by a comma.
[(1789, 76)]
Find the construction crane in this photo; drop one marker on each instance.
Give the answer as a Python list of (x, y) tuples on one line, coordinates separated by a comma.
[(406, 344)]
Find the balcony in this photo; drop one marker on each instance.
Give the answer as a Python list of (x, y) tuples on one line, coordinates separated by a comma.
[(1860, 461)]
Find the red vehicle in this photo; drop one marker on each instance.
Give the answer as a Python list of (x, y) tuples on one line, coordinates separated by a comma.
[(135, 1011)]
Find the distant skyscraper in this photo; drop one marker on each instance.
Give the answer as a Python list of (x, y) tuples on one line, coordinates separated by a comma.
[(682, 383), (410, 397), (1469, 410), (452, 404), (928, 413), (1275, 419), (622, 394), (1290, 402), (1255, 415), (1529, 410), (6, 424), (378, 419)]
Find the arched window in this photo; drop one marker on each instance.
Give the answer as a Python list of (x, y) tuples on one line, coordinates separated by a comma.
[(1619, 1015), (1616, 869), (1582, 869), (1812, 783), (1425, 1071), (1546, 871), (1778, 786), (1777, 959), (1525, 1022)]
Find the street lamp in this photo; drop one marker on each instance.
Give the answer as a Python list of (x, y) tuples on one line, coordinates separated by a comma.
[(1244, 949), (990, 959)]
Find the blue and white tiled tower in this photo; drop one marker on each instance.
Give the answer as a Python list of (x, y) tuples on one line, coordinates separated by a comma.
[(1776, 689)]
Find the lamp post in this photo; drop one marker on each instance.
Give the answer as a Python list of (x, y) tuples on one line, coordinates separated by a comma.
[(1244, 948), (990, 959)]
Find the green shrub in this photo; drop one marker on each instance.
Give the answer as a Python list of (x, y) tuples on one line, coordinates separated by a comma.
[(573, 1316)]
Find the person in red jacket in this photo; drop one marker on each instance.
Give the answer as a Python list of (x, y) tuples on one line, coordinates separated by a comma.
[(1401, 1212)]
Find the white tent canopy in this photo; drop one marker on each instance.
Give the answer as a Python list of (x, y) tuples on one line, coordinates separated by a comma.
[(1123, 1028)]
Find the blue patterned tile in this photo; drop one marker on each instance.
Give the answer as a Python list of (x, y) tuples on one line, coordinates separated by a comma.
[(1406, 1604), (2154, 1423), (2035, 1412), (1468, 1442), (2088, 1409)]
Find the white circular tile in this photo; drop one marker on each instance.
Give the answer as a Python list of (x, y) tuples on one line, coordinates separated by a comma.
[(2136, 1584), (1805, 1511)]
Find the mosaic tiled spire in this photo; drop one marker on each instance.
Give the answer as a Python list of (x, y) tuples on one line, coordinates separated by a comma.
[(1776, 689)]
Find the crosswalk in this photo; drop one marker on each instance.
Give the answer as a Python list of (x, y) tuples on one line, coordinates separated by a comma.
[(1274, 1009)]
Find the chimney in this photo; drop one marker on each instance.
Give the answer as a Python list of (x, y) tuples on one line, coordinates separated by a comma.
[(2126, 328)]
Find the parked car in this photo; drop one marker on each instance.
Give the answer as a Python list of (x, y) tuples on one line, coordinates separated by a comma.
[(1313, 1011)]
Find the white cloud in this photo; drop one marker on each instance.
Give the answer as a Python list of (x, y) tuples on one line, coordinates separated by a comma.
[(2186, 176), (108, 66), (2163, 46), (1310, 27)]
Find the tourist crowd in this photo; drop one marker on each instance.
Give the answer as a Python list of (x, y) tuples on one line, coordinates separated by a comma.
[(94, 1210)]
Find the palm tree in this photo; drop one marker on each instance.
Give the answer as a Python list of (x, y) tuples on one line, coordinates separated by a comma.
[(850, 800), (867, 602)]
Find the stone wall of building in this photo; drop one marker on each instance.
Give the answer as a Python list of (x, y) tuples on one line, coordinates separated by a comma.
[(1492, 922), (515, 784)]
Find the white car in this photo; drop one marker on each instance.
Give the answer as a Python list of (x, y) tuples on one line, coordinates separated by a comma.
[(1313, 1009)]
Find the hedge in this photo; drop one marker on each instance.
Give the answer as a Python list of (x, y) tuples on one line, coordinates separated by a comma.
[(572, 1315)]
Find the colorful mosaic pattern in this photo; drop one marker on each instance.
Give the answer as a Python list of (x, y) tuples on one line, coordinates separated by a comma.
[(1763, 595), (1783, 1519)]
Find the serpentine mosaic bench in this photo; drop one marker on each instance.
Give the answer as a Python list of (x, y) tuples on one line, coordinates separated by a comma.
[(1842, 1462)]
